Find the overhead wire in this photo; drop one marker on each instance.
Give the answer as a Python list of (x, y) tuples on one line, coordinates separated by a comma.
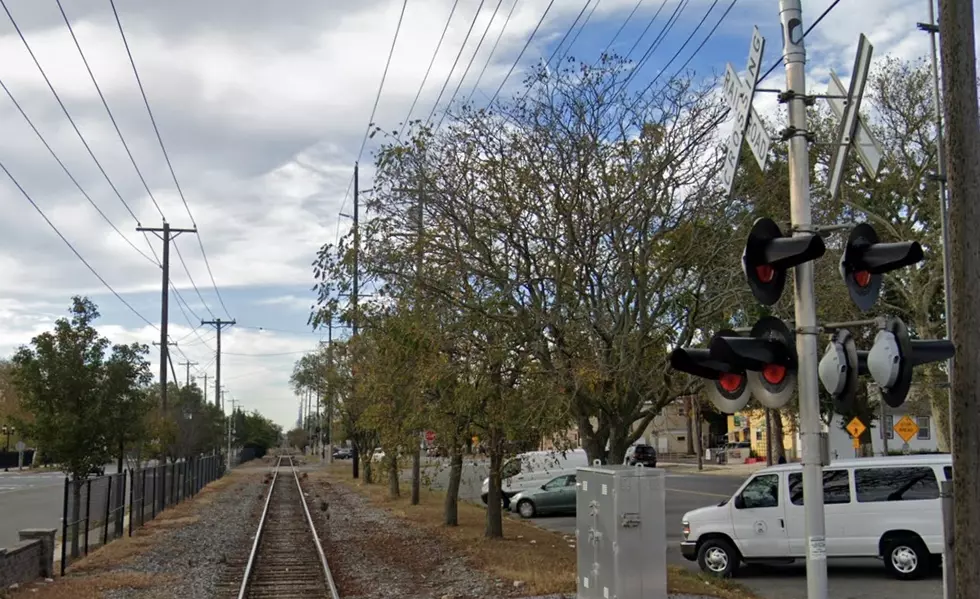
[(682, 46), (428, 70), (705, 40), (671, 21), (585, 23), (64, 109), (166, 155), (459, 54), (805, 33), (492, 52), (28, 197), (619, 31), (523, 50), (466, 72), (72, 177)]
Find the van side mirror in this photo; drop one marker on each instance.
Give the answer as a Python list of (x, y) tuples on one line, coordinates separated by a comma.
[(739, 502)]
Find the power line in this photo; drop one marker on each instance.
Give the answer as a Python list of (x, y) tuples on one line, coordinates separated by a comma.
[(70, 176), (72, 247), (492, 51), (671, 21), (166, 155), (384, 76), (455, 62), (619, 31), (523, 50), (429, 69), (571, 44), (64, 109), (684, 45), (705, 40), (459, 84), (105, 104), (193, 285)]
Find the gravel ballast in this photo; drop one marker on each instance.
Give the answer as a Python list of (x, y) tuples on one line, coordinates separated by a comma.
[(197, 555)]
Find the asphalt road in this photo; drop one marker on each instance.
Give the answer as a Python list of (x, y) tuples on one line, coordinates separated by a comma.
[(849, 579), (31, 500)]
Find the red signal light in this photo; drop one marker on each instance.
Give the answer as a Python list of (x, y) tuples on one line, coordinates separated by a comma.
[(765, 272), (862, 278), (774, 373), (730, 382)]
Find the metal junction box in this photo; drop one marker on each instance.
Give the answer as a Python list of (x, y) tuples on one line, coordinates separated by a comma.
[(621, 533)]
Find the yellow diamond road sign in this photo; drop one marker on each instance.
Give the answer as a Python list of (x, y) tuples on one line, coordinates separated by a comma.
[(906, 428), (856, 427)]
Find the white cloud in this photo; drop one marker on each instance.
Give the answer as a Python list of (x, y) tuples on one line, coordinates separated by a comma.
[(262, 110)]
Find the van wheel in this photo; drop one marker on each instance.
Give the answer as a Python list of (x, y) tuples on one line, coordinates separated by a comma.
[(906, 558), (718, 557), (525, 508)]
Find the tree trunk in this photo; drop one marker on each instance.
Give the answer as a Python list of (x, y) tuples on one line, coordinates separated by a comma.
[(356, 461), (122, 455), (618, 444), (495, 523), (699, 449), (393, 491), (594, 442), (451, 506), (778, 434), (76, 512), (689, 412), (416, 472), (939, 404)]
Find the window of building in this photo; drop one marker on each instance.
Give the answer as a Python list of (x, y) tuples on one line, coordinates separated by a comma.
[(762, 491), (924, 432), (889, 426), (895, 484), (836, 487), (758, 435)]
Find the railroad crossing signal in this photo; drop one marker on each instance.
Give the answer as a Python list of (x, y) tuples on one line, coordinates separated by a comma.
[(840, 368), (739, 94), (906, 428), (865, 260), (769, 254), (729, 391), (894, 355)]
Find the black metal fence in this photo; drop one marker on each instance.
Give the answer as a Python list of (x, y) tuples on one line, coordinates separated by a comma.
[(101, 509)]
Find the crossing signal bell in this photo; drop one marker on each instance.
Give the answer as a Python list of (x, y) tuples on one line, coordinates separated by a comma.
[(893, 357), (729, 390), (768, 357), (865, 260), (769, 254)]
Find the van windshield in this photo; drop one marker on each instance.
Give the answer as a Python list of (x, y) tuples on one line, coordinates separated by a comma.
[(643, 450), (510, 468)]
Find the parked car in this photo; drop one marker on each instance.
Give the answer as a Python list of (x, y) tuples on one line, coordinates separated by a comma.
[(883, 507), (532, 469), (342, 453), (96, 471), (555, 496), (642, 454)]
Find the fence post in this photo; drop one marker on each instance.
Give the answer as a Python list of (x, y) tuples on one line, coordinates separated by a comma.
[(64, 529), (108, 502), (142, 496), (120, 505), (153, 500), (132, 508), (88, 509)]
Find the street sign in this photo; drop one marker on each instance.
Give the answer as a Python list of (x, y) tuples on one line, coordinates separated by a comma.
[(856, 428), (739, 94), (430, 436), (906, 449), (867, 147), (857, 443), (906, 429), (849, 118), (20, 446)]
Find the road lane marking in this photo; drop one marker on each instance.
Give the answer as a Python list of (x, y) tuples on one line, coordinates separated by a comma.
[(704, 493)]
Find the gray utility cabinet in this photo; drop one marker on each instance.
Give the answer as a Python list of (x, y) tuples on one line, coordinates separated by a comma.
[(621, 532)]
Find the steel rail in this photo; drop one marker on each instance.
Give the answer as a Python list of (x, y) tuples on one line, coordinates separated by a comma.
[(258, 532), (334, 594)]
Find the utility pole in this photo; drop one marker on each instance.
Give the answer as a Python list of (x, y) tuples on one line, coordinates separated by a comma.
[(959, 77), (205, 387), (231, 422), (166, 233), (330, 391), (187, 365), (218, 324), (355, 461), (794, 57)]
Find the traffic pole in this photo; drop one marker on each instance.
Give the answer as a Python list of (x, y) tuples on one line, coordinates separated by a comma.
[(794, 58)]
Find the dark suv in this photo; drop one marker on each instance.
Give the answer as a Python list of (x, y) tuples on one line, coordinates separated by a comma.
[(642, 454)]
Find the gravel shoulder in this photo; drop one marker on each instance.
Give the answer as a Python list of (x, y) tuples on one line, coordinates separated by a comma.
[(186, 552)]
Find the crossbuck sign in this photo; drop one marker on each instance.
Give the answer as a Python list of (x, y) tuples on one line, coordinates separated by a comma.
[(739, 94)]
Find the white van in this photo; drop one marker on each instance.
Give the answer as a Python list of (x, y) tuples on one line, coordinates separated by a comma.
[(886, 507), (532, 469)]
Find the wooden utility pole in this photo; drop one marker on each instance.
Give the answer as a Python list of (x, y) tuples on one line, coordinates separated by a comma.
[(187, 365), (959, 74), (205, 387), (355, 462), (218, 324), (166, 233)]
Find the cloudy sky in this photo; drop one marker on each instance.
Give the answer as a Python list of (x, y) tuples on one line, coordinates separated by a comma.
[(262, 107)]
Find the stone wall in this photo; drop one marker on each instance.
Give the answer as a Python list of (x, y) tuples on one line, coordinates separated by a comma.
[(28, 560)]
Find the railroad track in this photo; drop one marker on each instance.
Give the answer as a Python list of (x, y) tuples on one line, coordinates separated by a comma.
[(287, 559)]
